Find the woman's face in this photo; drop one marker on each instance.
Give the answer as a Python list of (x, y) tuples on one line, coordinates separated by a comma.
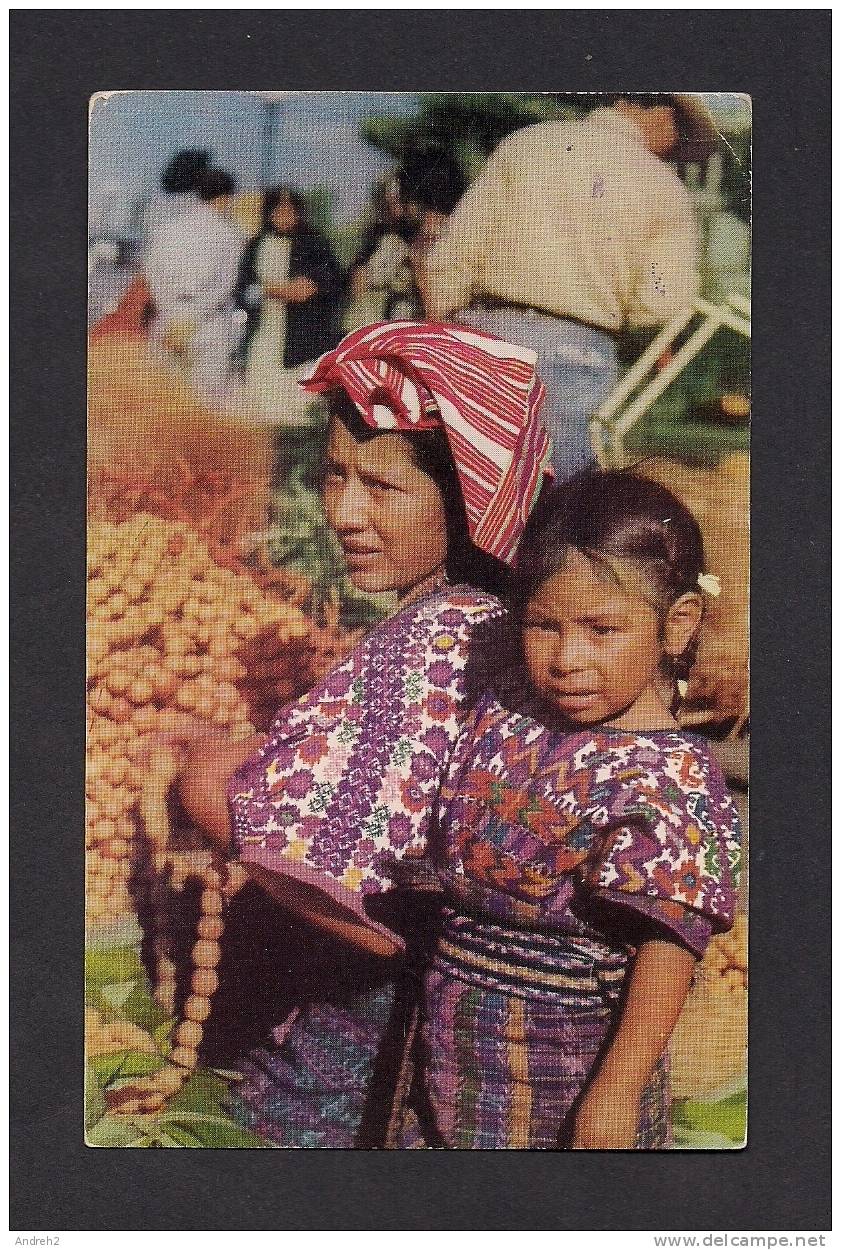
[(388, 514), (284, 216)]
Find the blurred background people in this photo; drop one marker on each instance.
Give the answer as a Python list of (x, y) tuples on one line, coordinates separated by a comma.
[(191, 269), (410, 208), (380, 274), (178, 191), (292, 289), (431, 184), (572, 233)]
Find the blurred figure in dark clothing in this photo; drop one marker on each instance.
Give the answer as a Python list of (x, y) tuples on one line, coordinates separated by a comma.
[(381, 279), (292, 288), (431, 184)]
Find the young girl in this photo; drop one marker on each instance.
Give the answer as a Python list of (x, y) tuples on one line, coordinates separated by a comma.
[(588, 846)]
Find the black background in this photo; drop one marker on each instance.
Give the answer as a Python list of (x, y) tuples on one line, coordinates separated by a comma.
[(781, 58)]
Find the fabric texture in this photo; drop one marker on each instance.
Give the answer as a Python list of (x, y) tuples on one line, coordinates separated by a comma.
[(504, 1054), (577, 219), (165, 207), (310, 327), (266, 348), (310, 1089), (191, 270), (486, 394), (578, 364), (344, 788), (558, 853), (389, 295), (548, 829)]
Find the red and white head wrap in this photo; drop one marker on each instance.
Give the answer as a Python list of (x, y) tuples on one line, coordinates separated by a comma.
[(417, 375)]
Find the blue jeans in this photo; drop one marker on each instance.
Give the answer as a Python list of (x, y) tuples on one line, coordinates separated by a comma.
[(577, 364)]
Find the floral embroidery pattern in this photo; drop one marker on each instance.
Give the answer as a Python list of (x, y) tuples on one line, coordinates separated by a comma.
[(354, 766), (535, 822)]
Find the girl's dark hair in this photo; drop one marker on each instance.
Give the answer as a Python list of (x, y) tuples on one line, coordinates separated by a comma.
[(215, 182), (614, 516), (183, 171), (431, 453), (273, 197)]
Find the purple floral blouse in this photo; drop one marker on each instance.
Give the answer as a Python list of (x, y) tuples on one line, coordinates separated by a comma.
[(536, 825), (347, 781)]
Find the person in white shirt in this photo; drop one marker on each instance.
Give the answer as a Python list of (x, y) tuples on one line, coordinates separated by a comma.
[(572, 233), (177, 194), (191, 269)]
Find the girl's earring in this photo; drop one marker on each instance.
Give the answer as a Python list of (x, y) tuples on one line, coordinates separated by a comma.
[(681, 665)]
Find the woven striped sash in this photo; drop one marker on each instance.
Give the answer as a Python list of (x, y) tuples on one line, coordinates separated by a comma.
[(580, 973)]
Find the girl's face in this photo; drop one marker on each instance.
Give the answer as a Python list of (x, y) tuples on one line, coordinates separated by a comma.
[(594, 649), (388, 514)]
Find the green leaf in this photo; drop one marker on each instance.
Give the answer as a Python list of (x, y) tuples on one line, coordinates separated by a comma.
[(94, 1098), (162, 1036), (227, 1074), (107, 1067), (111, 1132), (111, 967), (726, 1118), (218, 1134), (181, 1137), (124, 1065), (698, 1140), (141, 1009), (117, 995), (193, 1117), (197, 1108), (203, 1093), (168, 1139)]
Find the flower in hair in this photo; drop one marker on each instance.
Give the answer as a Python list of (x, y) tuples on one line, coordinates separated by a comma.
[(709, 583)]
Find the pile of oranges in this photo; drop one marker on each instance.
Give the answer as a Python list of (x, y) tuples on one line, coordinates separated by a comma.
[(171, 634), (709, 1043)]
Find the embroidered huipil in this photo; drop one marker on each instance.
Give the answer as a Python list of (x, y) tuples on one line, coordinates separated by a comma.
[(538, 825), (339, 794), (345, 784), (559, 852)]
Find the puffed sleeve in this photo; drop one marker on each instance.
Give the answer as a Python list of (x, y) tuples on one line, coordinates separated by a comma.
[(670, 849), (347, 780)]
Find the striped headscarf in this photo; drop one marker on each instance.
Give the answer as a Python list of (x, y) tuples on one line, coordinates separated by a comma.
[(484, 392)]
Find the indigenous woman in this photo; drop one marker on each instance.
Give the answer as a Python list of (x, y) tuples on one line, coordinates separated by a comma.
[(292, 289), (435, 458)]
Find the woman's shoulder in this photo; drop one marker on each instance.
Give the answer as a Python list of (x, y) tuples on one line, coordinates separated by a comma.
[(459, 605), (442, 620)]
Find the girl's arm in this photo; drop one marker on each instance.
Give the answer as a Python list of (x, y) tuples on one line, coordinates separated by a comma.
[(609, 1113)]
